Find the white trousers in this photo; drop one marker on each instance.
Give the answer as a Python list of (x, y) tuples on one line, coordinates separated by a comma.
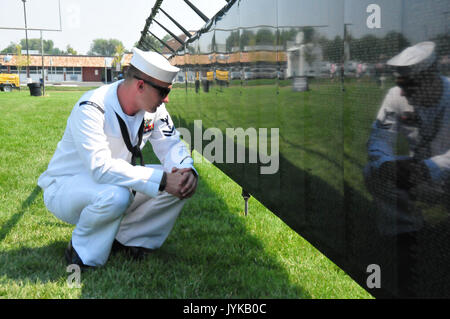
[(102, 212)]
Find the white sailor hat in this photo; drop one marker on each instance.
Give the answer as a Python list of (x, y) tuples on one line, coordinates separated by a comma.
[(154, 64), (414, 59)]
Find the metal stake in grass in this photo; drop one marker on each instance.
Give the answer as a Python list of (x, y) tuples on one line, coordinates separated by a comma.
[(246, 196)]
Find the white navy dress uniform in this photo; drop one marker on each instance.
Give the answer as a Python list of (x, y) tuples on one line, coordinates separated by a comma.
[(90, 181), (428, 141)]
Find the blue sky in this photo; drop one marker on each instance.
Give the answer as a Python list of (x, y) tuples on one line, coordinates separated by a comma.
[(86, 20)]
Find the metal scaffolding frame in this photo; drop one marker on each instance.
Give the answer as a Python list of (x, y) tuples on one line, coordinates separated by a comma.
[(143, 42), (26, 29)]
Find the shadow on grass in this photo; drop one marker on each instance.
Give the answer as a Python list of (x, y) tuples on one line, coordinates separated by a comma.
[(209, 254), (34, 265), (6, 228), (30, 264)]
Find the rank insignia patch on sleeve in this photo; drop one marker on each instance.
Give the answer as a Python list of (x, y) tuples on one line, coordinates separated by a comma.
[(170, 128)]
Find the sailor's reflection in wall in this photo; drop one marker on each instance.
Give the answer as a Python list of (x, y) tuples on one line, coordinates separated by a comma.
[(418, 108), (409, 189)]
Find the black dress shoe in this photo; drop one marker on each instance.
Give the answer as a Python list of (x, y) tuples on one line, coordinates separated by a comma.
[(73, 258), (137, 253)]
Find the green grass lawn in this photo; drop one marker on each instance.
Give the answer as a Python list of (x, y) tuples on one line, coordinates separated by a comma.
[(214, 251)]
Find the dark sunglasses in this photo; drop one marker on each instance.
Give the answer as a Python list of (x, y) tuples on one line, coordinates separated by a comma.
[(163, 91)]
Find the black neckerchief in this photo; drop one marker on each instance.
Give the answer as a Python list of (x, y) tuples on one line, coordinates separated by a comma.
[(134, 150)]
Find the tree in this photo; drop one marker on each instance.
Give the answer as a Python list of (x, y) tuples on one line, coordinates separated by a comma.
[(289, 35), (366, 49), (56, 51), (246, 38), (286, 35), (393, 43), (166, 38), (35, 44), (265, 37), (118, 55), (442, 44), (332, 49), (11, 49), (232, 41), (70, 50), (104, 47), (308, 34), (152, 43), (21, 61)]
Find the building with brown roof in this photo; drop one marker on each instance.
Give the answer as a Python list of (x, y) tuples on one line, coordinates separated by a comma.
[(60, 68)]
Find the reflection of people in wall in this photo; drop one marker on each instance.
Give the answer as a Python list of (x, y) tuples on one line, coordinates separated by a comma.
[(197, 82), (407, 188), (359, 71), (332, 71), (379, 74), (418, 108)]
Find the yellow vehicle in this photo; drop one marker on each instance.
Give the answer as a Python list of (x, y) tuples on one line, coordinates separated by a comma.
[(222, 75), (8, 82), (210, 76)]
